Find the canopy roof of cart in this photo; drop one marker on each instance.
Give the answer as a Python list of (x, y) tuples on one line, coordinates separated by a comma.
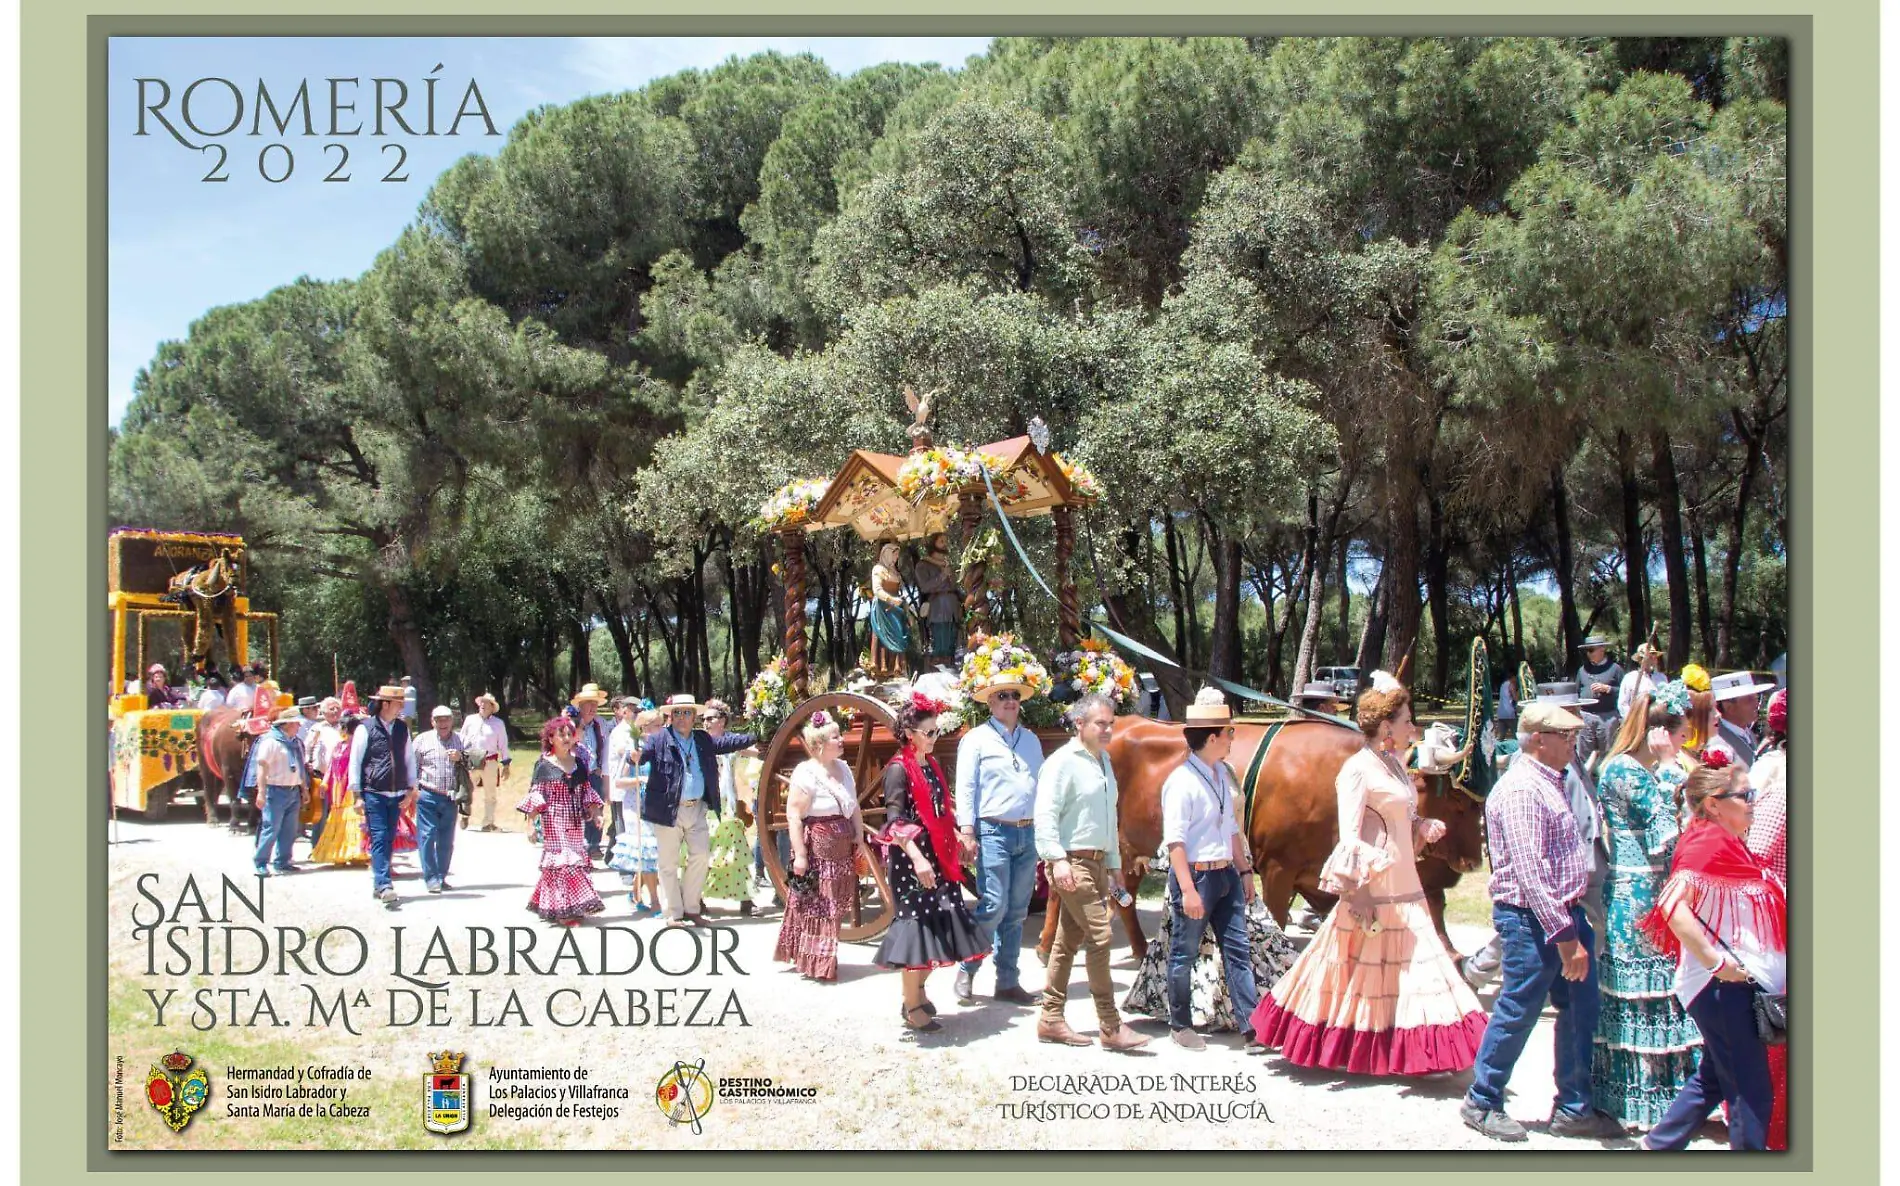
[(865, 495)]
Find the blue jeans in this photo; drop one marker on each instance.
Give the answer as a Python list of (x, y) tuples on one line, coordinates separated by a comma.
[(1533, 971), (435, 834), (1006, 876), (1734, 1069), (1224, 907), (277, 831), (380, 813)]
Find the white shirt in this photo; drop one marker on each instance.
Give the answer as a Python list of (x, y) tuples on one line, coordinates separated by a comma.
[(242, 697), (273, 762), (485, 735), (833, 790), (1197, 811), (1636, 683), (621, 745), (320, 747), (210, 698)]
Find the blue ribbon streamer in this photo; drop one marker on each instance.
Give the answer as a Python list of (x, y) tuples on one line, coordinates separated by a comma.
[(1128, 644)]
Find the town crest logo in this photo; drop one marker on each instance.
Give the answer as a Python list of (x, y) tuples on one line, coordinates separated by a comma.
[(173, 1093), (685, 1093), (445, 1095)]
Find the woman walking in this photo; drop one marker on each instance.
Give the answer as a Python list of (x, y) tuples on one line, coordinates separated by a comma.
[(561, 795), (933, 927), (343, 841), (1723, 917), (1646, 1046), (636, 855), (821, 813), (1375, 992)]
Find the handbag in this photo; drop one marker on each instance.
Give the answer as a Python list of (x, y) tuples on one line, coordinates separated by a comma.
[(464, 788), (1770, 1008)]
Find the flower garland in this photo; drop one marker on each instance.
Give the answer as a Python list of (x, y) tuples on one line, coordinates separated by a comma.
[(946, 470), (768, 698), (792, 505), (1082, 480), (998, 659), (1093, 668)]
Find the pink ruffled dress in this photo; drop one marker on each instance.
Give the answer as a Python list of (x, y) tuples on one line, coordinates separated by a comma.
[(1375, 992)]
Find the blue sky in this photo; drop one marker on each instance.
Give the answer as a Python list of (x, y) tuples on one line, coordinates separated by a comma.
[(179, 245)]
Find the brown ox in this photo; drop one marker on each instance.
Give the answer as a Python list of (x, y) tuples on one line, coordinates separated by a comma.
[(1295, 822), (223, 746)]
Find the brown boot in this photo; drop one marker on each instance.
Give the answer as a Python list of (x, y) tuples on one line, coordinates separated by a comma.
[(1123, 1039), (1058, 1031)]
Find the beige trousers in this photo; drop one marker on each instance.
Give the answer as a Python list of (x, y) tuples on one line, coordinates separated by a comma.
[(677, 901), (1083, 922), (487, 780)]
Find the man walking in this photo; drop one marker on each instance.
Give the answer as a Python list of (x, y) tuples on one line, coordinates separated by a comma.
[(319, 747), (485, 736), (434, 756), (591, 741), (1076, 833), (1210, 874), (1540, 870), (683, 772), (384, 782), (997, 765), (281, 777)]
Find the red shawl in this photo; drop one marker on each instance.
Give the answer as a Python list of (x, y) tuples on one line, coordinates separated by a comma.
[(942, 829), (1727, 887)]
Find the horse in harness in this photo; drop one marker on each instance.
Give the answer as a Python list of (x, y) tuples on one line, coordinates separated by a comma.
[(209, 590)]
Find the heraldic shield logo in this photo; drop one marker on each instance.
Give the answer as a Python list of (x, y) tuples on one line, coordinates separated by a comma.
[(173, 1093), (445, 1095), (685, 1093)]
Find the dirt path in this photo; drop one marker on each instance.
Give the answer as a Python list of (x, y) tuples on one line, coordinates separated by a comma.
[(984, 1082)]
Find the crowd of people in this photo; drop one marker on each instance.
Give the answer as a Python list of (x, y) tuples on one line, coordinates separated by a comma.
[(1637, 844)]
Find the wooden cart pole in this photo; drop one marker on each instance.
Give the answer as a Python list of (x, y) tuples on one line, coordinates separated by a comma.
[(1068, 602), (792, 539), (975, 575)]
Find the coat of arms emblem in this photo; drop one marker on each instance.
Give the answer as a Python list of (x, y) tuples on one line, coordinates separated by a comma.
[(445, 1096), (174, 1093)]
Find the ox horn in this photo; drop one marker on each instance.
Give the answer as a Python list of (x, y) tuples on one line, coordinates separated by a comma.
[(1404, 671)]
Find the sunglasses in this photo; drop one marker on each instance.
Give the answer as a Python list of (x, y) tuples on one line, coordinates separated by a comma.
[(933, 733), (715, 716), (1747, 796), (1010, 696)]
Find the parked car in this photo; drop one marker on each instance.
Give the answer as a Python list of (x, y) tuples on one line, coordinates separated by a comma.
[(1344, 679)]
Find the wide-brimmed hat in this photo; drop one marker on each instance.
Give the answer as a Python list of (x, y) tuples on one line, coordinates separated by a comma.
[(682, 700), (987, 691), (1594, 640), (1543, 717), (486, 698), (388, 692), (589, 692), (288, 716), (1318, 691), (1733, 685), (1560, 695), (306, 702)]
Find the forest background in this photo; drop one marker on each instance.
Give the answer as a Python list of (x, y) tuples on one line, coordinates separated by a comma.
[(1375, 344)]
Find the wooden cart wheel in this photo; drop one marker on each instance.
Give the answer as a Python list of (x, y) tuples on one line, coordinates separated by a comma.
[(868, 745)]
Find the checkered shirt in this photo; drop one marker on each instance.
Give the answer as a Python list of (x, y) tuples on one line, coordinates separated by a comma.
[(1768, 831), (1538, 862)]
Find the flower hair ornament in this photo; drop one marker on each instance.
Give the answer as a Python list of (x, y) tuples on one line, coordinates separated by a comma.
[(1716, 760), (1384, 681), (1673, 698), (821, 719), (1695, 678), (926, 705)]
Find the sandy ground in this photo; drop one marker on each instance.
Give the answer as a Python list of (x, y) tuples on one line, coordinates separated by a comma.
[(983, 1082)]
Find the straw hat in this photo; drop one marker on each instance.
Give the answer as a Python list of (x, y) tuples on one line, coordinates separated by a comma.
[(590, 692), (289, 716), (1209, 708), (389, 692), (489, 700), (1008, 685), (682, 700)]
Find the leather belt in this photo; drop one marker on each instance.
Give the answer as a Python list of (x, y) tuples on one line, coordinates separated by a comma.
[(1011, 823), (1205, 866), (1087, 854)]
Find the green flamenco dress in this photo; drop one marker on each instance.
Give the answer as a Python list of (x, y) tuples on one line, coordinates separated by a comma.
[(1647, 1046)]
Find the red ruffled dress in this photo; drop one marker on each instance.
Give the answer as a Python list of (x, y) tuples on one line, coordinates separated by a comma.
[(1375, 992), (562, 799)]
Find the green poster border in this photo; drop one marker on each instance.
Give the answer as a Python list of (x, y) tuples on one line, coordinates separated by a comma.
[(63, 438)]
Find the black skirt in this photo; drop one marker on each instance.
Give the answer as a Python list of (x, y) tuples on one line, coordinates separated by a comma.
[(933, 927)]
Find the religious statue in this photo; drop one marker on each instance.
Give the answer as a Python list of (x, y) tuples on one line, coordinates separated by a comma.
[(920, 418), (890, 626), (944, 600)]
